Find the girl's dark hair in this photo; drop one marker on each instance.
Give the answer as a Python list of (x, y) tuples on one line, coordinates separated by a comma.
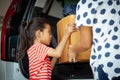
[(27, 34)]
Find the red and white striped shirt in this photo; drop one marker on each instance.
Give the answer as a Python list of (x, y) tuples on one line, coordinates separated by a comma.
[(39, 62)]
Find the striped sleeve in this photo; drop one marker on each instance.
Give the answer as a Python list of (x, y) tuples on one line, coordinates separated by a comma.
[(42, 51)]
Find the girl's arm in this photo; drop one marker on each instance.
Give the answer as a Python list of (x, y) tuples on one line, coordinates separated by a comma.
[(58, 50), (53, 62)]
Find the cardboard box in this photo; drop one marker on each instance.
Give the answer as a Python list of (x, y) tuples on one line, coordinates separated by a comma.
[(74, 38)]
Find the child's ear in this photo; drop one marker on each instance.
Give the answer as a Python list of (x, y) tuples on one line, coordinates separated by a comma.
[(38, 33)]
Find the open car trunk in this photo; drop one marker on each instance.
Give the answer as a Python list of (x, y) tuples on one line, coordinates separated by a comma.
[(24, 10)]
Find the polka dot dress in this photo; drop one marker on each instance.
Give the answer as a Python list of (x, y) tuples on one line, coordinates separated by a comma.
[(104, 17)]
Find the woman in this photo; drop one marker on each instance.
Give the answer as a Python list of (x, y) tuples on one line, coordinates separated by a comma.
[(99, 25)]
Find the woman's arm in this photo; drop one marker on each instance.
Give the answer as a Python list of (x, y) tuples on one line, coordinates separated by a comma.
[(85, 40), (84, 44)]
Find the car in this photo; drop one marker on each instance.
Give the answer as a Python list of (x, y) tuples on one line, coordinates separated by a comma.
[(22, 11)]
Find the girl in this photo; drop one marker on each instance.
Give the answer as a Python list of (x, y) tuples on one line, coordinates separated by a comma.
[(35, 39)]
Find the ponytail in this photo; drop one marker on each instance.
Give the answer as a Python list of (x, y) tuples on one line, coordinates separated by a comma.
[(24, 41), (27, 34)]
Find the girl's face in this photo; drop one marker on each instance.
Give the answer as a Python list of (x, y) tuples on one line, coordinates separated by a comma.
[(46, 36)]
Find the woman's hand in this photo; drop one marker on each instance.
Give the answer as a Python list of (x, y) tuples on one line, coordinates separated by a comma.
[(71, 54)]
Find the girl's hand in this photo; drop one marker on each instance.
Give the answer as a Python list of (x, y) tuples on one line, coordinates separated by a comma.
[(70, 28), (71, 54)]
